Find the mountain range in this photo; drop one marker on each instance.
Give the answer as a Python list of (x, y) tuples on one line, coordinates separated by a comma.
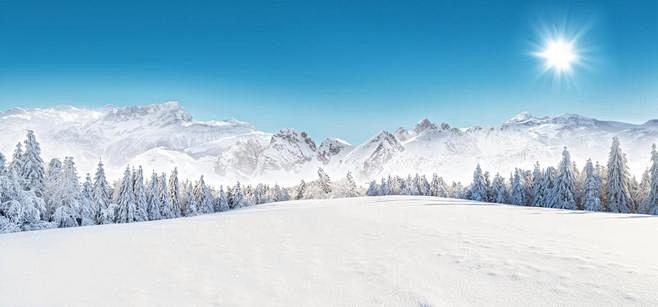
[(163, 136)]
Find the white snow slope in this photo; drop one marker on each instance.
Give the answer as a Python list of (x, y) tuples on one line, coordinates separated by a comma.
[(376, 251)]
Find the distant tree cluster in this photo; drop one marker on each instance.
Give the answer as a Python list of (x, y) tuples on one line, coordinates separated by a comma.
[(596, 187), (35, 196)]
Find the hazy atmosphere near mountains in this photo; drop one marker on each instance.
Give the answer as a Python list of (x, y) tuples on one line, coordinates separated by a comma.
[(329, 153)]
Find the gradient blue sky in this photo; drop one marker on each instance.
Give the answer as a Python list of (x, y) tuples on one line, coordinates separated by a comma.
[(332, 68)]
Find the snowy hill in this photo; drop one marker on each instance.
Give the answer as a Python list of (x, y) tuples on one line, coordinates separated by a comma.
[(164, 135), (376, 251)]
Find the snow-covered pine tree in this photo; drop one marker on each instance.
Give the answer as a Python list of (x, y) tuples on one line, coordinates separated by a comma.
[(324, 181), (618, 194), (384, 186), (518, 195), (373, 189), (236, 199), (478, 190), (102, 196), (202, 197), (537, 180), (499, 191), (546, 188), (53, 182), (487, 183), (141, 200), (222, 201), (126, 212), (650, 203), (591, 189), (153, 208), (32, 169), (174, 194), (191, 203), (301, 188), (350, 186), (16, 163), (20, 210), (87, 212), (67, 196), (166, 211), (3, 162), (563, 194), (643, 191)]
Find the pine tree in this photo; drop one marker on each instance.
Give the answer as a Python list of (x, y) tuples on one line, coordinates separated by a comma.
[(87, 202), (301, 188), (618, 195), (101, 196), (643, 191), (499, 191), (546, 188), (373, 189), (350, 189), (3, 161), (141, 200), (32, 169), (537, 180), (518, 194), (165, 205), (563, 194), (324, 181), (478, 191), (384, 186), (202, 197), (126, 212), (222, 201), (16, 164), (651, 201), (174, 194), (153, 209), (191, 204), (236, 199), (591, 189)]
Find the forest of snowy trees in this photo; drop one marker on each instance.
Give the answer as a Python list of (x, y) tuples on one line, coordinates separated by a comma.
[(597, 187), (34, 195)]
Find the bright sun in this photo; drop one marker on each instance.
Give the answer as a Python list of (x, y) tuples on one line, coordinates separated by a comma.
[(559, 55)]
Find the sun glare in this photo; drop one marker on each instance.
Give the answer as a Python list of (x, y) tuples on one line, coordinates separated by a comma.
[(559, 55)]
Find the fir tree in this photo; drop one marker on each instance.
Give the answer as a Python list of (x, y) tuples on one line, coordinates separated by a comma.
[(301, 188), (537, 180), (165, 205), (651, 201), (591, 189), (518, 194), (373, 189), (563, 194), (141, 199), (101, 196), (87, 202), (499, 191), (16, 164), (174, 194), (350, 188), (618, 195), (153, 209), (191, 204), (478, 191), (203, 197), (32, 169), (126, 212), (324, 181), (222, 201)]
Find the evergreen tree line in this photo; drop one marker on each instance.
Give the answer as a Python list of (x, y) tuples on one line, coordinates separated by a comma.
[(596, 187), (35, 196)]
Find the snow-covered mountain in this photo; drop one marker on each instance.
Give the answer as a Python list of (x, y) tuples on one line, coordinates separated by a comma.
[(161, 136)]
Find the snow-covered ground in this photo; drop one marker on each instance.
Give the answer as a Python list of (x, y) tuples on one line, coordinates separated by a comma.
[(375, 251)]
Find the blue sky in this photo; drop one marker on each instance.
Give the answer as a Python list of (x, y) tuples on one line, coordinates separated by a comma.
[(332, 68)]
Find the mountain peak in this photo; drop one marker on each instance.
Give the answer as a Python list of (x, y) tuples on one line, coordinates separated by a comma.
[(520, 118)]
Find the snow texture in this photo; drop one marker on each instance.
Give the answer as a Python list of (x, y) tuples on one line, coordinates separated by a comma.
[(374, 251)]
